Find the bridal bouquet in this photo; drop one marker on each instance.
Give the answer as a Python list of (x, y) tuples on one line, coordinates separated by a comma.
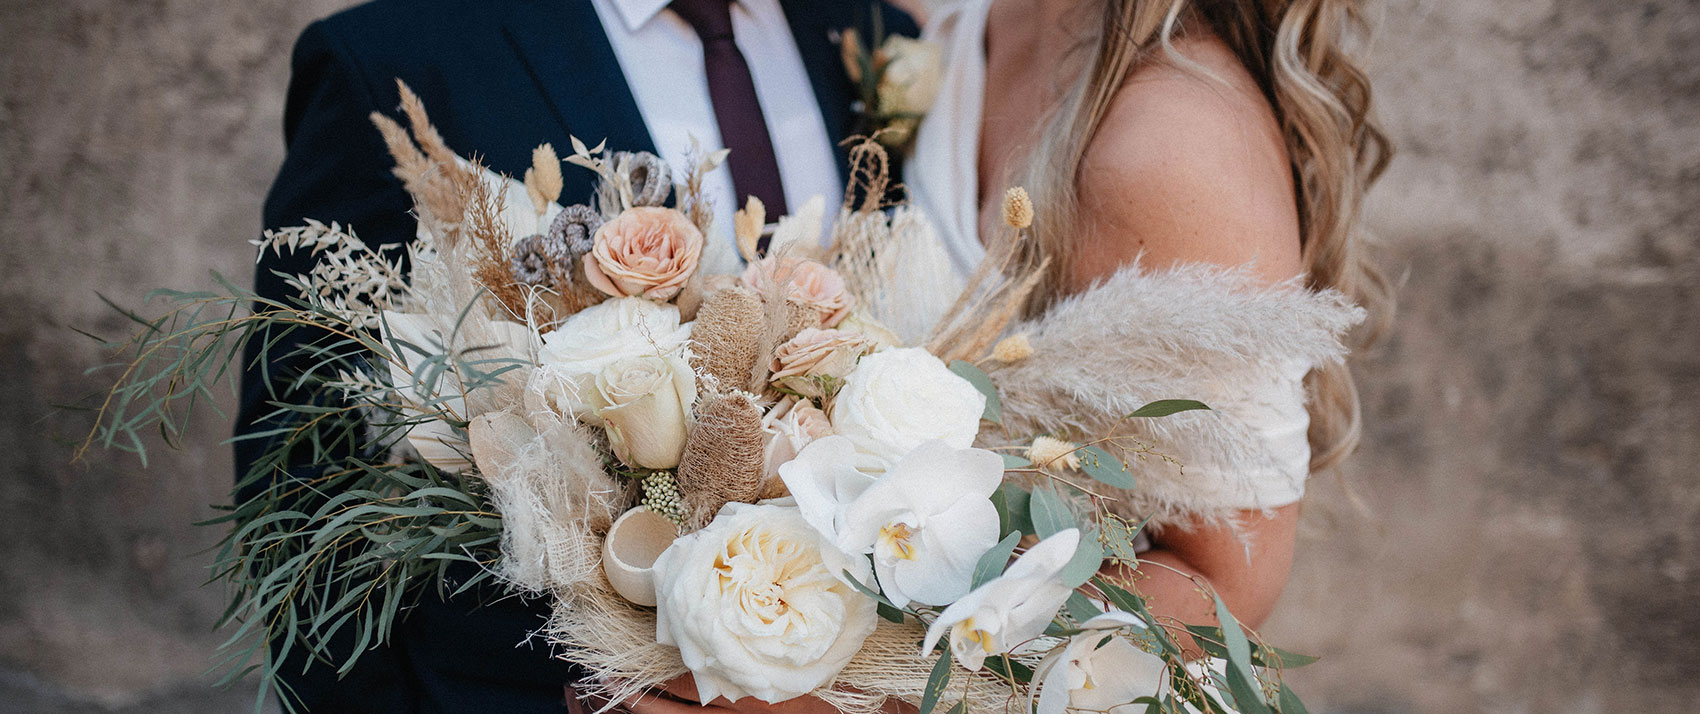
[(743, 477)]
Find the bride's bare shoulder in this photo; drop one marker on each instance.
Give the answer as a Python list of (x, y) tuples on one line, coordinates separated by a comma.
[(1189, 165)]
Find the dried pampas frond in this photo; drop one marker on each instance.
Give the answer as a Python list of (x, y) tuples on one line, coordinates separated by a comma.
[(723, 459), (438, 181), (492, 250)]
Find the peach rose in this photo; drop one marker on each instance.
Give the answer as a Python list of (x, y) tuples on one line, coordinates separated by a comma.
[(811, 283), (645, 251), (815, 358), (789, 427)]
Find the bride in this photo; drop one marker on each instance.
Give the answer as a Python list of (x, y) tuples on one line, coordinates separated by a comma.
[(1172, 132), (1157, 136)]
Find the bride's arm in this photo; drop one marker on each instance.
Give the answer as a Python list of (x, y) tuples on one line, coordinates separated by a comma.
[(1192, 169)]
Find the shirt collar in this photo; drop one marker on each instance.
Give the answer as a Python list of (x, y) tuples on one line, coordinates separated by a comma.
[(637, 13)]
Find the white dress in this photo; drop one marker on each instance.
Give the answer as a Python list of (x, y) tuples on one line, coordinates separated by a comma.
[(942, 180)]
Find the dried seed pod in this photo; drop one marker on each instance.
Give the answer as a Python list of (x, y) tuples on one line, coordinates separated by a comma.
[(1017, 208), (728, 335), (574, 229), (529, 261), (651, 178), (722, 461), (570, 236)]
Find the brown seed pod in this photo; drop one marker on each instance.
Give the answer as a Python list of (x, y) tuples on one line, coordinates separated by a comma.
[(722, 462)]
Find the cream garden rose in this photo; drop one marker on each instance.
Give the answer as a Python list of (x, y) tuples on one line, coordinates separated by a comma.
[(897, 399), (646, 251), (756, 607), (644, 403)]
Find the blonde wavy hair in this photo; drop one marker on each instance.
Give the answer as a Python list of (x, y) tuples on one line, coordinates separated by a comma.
[(1293, 48)]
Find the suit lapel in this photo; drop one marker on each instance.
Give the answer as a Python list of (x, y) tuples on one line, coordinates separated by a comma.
[(815, 25), (563, 45)]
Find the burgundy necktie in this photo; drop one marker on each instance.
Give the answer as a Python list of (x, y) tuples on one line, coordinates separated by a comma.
[(743, 129)]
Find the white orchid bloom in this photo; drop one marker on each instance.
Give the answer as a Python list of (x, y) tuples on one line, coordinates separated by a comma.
[(1100, 671), (927, 522), (1011, 609), (824, 479)]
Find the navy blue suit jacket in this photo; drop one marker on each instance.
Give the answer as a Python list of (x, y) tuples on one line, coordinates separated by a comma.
[(498, 77)]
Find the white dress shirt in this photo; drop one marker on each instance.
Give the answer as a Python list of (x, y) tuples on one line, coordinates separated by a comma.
[(661, 57)]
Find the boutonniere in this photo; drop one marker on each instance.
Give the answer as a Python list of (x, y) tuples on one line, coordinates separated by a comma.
[(897, 79)]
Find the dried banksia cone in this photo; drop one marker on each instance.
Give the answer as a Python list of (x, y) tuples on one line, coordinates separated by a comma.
[(728, 335), (798, 317), (774, 487), (722, 462)]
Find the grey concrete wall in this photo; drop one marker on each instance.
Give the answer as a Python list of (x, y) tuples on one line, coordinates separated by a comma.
[(1519, 533)]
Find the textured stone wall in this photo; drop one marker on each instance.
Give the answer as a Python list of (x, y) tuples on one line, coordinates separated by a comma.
[(1519, 533)]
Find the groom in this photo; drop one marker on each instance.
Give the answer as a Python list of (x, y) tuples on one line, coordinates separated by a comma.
[(761, 77)]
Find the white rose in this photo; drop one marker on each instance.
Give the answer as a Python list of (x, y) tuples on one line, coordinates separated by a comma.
[(896, 399), (595, 337), (756, 607), (644, 403)]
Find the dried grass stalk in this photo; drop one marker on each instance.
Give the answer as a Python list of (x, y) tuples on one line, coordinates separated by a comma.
[(997, 292)]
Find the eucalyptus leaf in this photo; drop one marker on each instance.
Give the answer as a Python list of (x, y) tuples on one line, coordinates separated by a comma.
[(1016, 513), (890, 613), (978, 378), (1081, 607), (936, 682), (1289, 702), (1007, 668), (1165, 407), (1011, 461), (1050, 513), (993, 561), (1088, 558), (1242, 682)]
